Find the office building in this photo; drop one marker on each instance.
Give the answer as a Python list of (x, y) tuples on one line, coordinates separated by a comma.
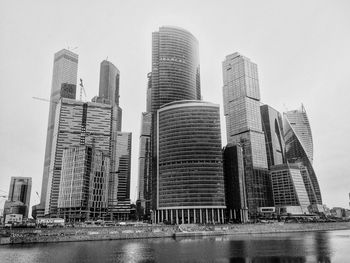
[(77, 123), (299, 149), (175, 76), (144, 196), (242, 106), (109, 94), (109, 83), (189, 163), (19, 196), (119, 199), (244, 127), (272, 125), (65, 70), (289, 192), (109, 88), (83, 191), (235, 192), (175, 66)]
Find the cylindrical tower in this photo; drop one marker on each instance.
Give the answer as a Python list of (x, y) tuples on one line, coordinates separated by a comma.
[(175, 66), (189, 163)]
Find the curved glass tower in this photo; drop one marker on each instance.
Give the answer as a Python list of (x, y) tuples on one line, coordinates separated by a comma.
[(175, 66), (189, 163), (299, 149), (175, 76)]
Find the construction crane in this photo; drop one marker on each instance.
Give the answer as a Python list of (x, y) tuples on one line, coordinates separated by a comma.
[(43, 99), (81, 90)]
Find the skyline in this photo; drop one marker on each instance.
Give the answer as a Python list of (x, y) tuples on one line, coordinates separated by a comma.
[(25, 137)]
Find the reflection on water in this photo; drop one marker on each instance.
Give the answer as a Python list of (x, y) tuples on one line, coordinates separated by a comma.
[(288, 247)]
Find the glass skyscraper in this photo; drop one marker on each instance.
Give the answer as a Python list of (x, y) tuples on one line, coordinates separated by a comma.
[(241, 96), (83, 191), (65, 70), (273, 128), (242, 106), (189, 163), (109, 88), (77, 123), (235, 192), (289, 192), (175, 66), (145, 162), (119, 200), (19, 196), (299, 148), (175, 76)]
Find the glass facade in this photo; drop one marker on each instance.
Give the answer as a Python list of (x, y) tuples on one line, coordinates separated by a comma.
[(189, 156), (145, 162), (120, 180), (289, 188), (235, 192), (297, 127), (83, 191), (109, 83), (175, 76), (241, 96), (299, 148), (175, 66), (190, 183), (77, 123), (65, 70), (273, 128), (242, 106), (20, 190)]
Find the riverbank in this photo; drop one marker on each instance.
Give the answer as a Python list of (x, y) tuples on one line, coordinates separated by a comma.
[(18, 236)]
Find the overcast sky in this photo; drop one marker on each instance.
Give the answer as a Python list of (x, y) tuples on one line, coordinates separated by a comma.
[(302, 49)]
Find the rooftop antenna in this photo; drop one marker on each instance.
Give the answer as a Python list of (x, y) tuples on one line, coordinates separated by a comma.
[(107, 58)]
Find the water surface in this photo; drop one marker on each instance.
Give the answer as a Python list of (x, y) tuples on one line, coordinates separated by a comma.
[(332, 246)]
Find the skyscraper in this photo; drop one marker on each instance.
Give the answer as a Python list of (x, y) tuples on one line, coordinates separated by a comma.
[(109, 88), (124, 165), (272, 125), (289, 193), (189, 163), (109, 94), (244, 127), (77, 123), (242, 106), (65, 69), (299, 148), (175, 76), (119, 199), (234, 175), (175, 66), (83, 191), (109, 83), (145, 162), (19, 196)]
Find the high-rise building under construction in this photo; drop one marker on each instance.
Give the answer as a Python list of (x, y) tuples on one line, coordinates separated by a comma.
[(65, 69)]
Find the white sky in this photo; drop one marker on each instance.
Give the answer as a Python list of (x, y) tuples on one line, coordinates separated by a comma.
[(302, 49)]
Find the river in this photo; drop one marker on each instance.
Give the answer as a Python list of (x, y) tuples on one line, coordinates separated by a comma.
[(331, 246)]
